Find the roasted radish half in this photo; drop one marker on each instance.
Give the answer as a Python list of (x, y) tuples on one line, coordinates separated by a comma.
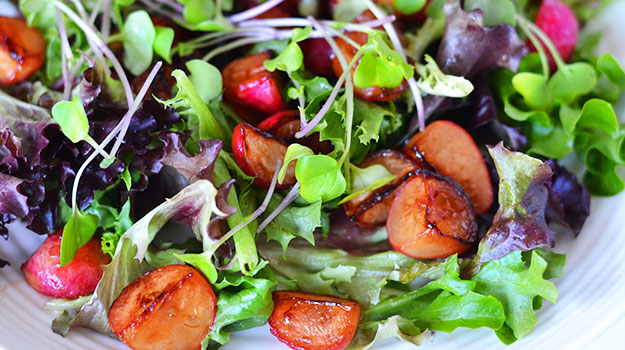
[(373, 93), (249, 85), (284, 125), (431, 218), (43, 271), (313, 322), (22, 50), (371, 208), (452, 151), (258, 154), (172, 307)]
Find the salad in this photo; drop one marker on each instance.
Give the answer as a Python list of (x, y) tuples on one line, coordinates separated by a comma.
[(346, 171)]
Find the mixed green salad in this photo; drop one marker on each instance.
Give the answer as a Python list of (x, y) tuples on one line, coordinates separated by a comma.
[(392, 165)]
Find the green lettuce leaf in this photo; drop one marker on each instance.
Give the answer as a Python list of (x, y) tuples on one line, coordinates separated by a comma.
[(444, 304), (336, 272), (516, 286), (294, 221), (519, 223), (242, 302)]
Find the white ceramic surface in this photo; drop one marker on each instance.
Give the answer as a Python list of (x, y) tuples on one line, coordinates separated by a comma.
[(590, 313)]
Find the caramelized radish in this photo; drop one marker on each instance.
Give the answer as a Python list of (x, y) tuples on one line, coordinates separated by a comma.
[(371, 208), (249, 85), (373, 93), (172, 307), (22, 50), (431, 218), (258, 154), (44, 273), (285, 124), (311, 321), (452, 151)]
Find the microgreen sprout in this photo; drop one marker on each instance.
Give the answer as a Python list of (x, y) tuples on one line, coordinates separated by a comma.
[(392, 34), (290, 197), (254, 11), (167, 13), (309, 126), (258, 212), (66, 53), (523, 24), (99, 44)]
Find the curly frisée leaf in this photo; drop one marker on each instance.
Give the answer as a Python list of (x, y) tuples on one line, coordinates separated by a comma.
[(293, 221), (194, 205), (434, 82)]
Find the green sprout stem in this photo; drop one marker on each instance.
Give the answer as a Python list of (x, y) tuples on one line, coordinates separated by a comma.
[(544, 61), (530, 27)]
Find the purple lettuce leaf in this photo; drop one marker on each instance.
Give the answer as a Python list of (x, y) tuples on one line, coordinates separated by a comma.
[(569, 201), (22, 141), (519, 223), (468, 48), (199, 166)]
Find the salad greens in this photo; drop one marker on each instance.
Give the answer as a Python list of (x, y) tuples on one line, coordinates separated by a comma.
[(107, 141)]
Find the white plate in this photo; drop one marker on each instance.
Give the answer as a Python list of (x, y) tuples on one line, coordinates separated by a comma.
[(589, 314)]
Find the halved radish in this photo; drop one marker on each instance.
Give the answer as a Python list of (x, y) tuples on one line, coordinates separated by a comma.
[(431, 218), (44, 273), (258, 154), (22, 50), (249, 85), (313, 322), (452, 151), (172, 307), (373, 93), (371, 208), (284, 125)]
